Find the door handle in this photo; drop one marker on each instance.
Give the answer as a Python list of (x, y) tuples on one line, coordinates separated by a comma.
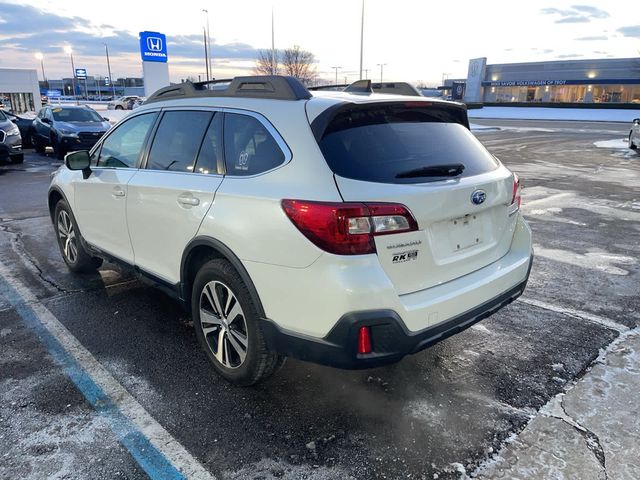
[(118, 192), (188, 199)]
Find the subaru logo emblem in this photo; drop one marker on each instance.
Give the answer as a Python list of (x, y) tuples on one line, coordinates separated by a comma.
[(478, 197), (154, 44)]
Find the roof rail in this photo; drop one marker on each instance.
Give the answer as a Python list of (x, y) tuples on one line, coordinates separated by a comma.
[(274, 87)]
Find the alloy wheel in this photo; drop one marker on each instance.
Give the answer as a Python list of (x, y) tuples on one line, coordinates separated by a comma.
[(67, 235), (223, 324)]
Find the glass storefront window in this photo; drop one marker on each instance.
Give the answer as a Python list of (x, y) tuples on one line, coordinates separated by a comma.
[(564, 94), (17, 102)]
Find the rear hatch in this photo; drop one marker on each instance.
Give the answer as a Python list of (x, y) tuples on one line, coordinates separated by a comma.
[(422, 155)]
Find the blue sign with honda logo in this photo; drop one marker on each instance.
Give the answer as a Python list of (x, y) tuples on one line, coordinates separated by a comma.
[(153, 47)]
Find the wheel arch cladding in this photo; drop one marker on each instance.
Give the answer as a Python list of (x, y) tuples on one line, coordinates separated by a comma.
[(199, 251), (53, 198)]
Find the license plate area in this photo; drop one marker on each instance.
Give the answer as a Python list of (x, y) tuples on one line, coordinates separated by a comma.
[(465, 232)]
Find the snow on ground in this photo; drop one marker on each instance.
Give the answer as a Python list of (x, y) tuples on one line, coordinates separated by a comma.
[(546, 113), (618, 143)]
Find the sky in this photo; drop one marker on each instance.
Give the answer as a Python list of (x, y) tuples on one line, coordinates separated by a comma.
[(419, 41)]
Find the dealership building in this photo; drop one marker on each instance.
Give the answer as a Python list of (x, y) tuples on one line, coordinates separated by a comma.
[(19, 90), (613, 81)]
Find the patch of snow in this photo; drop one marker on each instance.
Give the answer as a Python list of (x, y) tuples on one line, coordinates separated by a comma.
[(595, 260), (483, 128), (548, 113), (617, 144), (480, 328)]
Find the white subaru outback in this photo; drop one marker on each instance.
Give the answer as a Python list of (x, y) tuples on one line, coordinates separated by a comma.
[(344, 228)]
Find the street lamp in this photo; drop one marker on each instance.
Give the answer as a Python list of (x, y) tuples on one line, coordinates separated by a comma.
[(113, 86), (381, 65), (69, 51), (40, 57), (361, 38), (207, 46)]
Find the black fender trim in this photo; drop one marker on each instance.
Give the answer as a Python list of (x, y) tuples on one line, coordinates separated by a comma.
[(228, 255)]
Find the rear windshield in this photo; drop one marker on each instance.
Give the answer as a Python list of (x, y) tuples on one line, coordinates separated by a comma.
[(384, 143), (76, 115)]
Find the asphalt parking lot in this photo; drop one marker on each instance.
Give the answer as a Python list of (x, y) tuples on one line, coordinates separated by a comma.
[(439, 414)]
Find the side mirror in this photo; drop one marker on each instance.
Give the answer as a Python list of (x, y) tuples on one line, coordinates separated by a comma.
[(46, 120), (105, 119), (79, 160)]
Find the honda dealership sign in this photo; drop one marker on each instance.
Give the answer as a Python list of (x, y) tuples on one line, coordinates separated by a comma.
[(153, 47), (155, 69)]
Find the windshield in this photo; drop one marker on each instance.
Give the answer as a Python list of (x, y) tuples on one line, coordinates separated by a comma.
[(397, 144), (76, 115)]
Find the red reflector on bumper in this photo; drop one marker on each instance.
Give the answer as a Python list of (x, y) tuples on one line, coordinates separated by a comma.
[(364, 340)]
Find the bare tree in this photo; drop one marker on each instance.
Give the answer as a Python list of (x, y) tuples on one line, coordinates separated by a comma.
[(265, 62), (299, 63)]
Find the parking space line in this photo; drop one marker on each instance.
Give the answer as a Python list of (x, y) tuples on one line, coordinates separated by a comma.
[(605, 322), (156, 451)]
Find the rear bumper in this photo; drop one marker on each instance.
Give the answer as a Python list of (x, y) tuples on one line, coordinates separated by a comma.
[(391, 339)]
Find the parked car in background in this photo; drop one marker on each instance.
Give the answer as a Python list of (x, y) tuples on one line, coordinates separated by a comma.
[(634, 134), (10, 140), (123, 103), (344, 229), (25, 124), (66, 128)]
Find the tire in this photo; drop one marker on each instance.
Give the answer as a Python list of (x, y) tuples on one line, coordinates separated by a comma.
[(19, 158), (73, 253), (119, 107), (632, 145), (235, 346), (58, 150), (37, 144)]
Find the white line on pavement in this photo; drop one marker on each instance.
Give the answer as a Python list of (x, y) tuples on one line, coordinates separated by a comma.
[(605, 322)]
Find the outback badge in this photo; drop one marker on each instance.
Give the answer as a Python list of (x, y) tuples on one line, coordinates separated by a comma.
[(478, 197)]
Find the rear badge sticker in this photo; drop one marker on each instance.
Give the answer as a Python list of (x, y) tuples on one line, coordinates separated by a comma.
[(405, 256)]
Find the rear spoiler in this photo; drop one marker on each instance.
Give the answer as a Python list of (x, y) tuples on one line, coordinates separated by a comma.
[(454, 111)]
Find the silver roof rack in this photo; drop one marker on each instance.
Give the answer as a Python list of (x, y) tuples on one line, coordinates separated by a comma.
[(274, 87)]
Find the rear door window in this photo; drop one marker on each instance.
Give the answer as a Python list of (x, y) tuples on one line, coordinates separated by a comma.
[(386, 143), (177, 140), (249, 147), (211, 152)]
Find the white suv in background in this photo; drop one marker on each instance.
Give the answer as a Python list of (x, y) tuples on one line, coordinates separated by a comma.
[(344, 228)]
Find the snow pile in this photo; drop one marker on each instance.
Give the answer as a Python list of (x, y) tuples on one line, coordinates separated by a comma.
[(547, 113), (618, 143)]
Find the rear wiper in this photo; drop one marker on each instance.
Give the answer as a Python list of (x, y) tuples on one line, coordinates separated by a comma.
[(448, 170)]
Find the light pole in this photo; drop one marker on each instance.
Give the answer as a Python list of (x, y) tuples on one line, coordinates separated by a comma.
[(274, 67), (381, 65), (336, 69), (361, 38), (113, 87), (208, 47), (366, 73), (40, 57), (68, 50)]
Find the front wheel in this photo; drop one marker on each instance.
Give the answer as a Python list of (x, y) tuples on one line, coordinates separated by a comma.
[(70, 241), (37, 144), (58, 149), (227, 325)]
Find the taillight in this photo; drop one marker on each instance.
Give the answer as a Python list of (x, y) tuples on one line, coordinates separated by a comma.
[(517, 194), (348, 228)]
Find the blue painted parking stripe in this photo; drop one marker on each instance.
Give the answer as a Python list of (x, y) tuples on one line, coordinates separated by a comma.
[(159, 454), (154, 463)]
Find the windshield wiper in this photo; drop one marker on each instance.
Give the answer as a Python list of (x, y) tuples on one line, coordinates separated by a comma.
[(447, 170)]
